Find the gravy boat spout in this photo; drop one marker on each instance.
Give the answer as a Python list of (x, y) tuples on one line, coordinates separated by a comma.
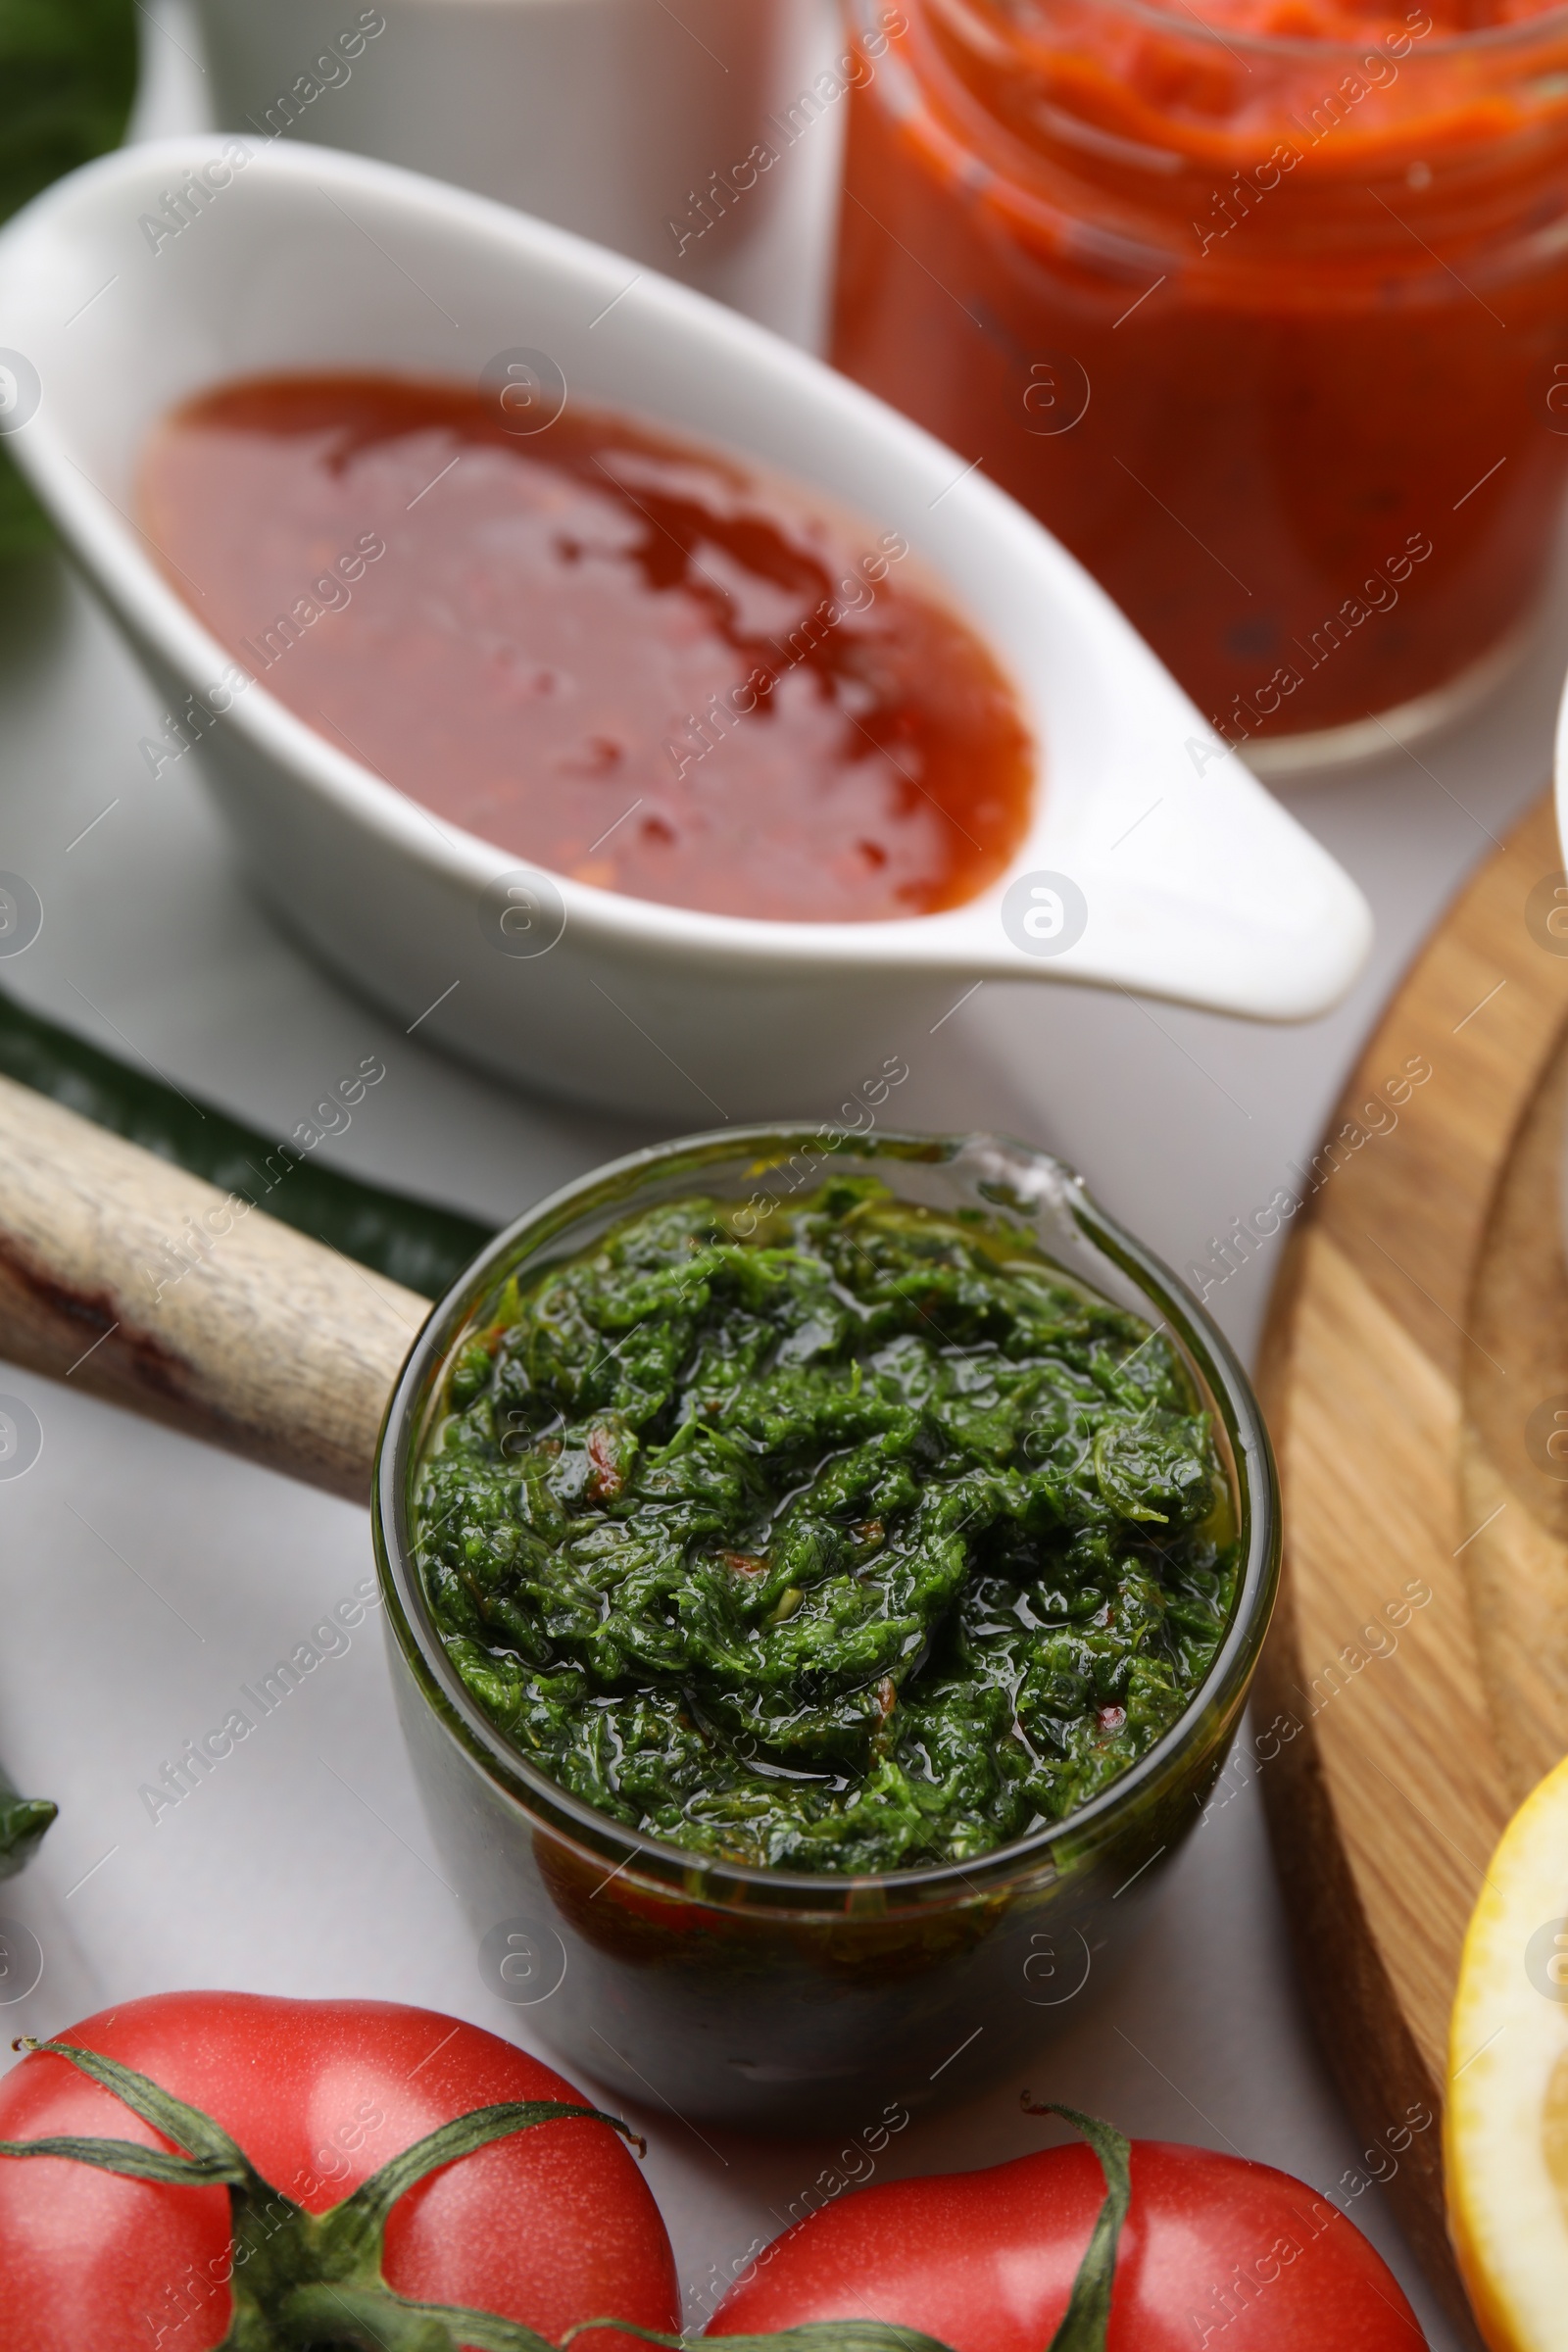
[(1154, 860)]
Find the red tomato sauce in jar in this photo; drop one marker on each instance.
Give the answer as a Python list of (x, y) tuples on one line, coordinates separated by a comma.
[(1260, 305), (632, 661)]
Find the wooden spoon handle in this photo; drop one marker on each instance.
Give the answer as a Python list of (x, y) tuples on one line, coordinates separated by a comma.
[(125, 1276)]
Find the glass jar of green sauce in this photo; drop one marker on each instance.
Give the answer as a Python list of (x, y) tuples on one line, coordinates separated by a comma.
[(824, 1574)]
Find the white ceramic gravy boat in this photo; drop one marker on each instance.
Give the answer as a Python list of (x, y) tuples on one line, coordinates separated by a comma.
[(1165, 868)]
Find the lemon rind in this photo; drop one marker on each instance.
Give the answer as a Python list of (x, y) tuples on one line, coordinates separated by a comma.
[(1505, 2211)]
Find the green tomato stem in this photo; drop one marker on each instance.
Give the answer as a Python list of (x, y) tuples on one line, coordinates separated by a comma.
[(381, 2322), (812, 2336), (1087, 2314), (299, 2279), (1083, 2325)]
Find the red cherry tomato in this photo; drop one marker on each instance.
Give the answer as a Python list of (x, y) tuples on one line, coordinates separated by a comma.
[(1215, 2253), (551, 2226)]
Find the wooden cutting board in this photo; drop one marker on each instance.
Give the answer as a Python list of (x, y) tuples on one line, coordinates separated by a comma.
[(1414, 1364)]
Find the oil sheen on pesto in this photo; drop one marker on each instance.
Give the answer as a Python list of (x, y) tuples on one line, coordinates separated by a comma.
[(861, 1540)]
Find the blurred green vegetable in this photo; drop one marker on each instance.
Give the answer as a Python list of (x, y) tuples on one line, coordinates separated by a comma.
[(67, 80), (23, 1822)]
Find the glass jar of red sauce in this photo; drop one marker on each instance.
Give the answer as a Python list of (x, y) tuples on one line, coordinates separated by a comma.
[(1262, 306)]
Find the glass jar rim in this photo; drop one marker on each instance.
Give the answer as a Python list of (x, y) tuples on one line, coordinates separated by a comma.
[(817, 1893), (1519, 31)]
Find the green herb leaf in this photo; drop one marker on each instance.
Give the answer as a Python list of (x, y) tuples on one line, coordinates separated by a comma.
[(24, 528), (23, 1822), (67, 80)]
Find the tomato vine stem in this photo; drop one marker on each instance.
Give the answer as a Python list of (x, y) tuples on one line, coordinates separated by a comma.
[(1083, 2324), (300, 2279)]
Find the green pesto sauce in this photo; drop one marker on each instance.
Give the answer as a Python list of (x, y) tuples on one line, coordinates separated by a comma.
[(858, 1540)]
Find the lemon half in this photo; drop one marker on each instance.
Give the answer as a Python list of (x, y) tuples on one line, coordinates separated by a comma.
[(1505, 2128)]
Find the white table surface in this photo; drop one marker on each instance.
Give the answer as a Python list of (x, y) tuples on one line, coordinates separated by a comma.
[(142, 1578)]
